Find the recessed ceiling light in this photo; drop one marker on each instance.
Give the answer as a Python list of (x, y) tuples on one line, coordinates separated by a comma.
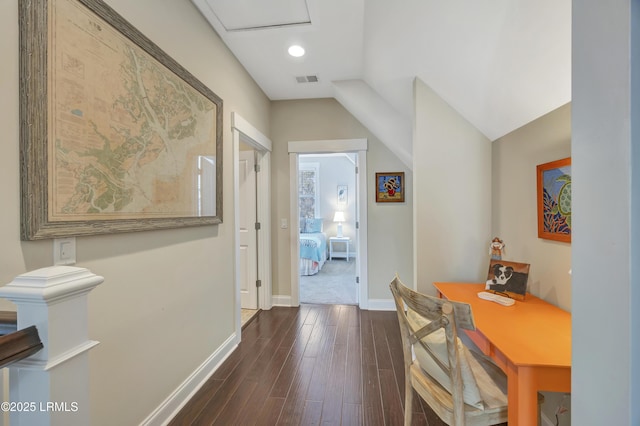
[(296, 51)]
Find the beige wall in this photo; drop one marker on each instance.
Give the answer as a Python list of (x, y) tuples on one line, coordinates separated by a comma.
[(514, 161), (390, 230), (167, 300), (452, 177), (514, 218)]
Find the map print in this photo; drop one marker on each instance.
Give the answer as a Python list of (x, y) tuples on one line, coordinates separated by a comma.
[(131, 138)]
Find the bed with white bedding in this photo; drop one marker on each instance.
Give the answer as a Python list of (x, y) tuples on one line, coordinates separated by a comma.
[(313, 252)]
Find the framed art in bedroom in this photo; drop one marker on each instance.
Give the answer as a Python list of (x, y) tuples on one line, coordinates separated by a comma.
[(342, 195)]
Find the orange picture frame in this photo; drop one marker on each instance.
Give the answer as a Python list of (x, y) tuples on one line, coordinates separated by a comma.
[(554, 200)]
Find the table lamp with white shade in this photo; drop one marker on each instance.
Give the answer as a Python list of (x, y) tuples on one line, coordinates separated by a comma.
[(339, 217)]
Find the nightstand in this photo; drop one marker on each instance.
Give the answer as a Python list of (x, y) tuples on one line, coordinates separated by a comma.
[(343, 254)]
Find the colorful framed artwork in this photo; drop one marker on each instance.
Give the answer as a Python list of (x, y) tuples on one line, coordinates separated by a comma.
[(342, 195), (507, 278), (115, 135), (554, 200), (390, 187)]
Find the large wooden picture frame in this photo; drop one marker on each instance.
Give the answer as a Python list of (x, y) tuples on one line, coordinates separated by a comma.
[(115, 136), (554, 200)]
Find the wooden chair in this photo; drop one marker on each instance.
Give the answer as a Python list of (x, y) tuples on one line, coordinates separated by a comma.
[(449, 388)]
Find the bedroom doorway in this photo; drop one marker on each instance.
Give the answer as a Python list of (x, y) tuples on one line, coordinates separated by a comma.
[(327, 216), (328, 222)]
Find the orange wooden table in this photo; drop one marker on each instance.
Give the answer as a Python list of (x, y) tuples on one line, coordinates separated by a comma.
[(530, 341)]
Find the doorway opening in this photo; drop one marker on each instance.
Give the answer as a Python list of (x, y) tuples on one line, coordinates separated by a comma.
[(327, 212), (328, 222)]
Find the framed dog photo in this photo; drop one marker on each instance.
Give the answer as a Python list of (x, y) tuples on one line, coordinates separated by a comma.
[(390, 187), (508, 278)]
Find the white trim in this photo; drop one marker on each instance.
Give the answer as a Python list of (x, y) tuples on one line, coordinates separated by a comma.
[(50, 285), (37, 364), (328, 146), (242, 125), (363, 243), (235, 136), (242, 130), (333, 154), (294, 230), (263, 184), (281, 300), (248, 268), (382, 305), (168, 409), (359, 146)]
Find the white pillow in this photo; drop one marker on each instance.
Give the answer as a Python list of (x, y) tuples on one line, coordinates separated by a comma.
[(437, 342)]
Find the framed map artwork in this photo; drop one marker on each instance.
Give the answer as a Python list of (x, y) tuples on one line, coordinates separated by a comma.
[(115, 136)]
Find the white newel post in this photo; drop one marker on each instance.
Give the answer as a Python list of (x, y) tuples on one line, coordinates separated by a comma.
[(51, 387)]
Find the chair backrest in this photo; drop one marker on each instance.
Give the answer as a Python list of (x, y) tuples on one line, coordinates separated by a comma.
[(442, 314)]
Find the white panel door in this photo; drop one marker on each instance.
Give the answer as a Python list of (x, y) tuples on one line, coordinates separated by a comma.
[(248, 233)]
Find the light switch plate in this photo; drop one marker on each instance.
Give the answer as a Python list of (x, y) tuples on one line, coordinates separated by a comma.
[(64, 251)]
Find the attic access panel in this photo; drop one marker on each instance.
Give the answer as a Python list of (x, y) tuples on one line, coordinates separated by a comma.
[(244, 15)]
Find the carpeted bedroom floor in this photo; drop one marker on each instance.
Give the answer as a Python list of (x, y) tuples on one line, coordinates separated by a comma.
[(334, 284)]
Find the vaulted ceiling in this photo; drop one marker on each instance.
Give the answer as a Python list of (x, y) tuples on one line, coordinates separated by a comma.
[(499, 63)]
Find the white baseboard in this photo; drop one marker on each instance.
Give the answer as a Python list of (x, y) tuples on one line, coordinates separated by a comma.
[(277, 300), (382, 305), (163, 414)]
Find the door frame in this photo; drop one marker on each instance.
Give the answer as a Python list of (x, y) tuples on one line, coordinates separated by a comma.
[(248, 199), (358, 146), (242, 130)]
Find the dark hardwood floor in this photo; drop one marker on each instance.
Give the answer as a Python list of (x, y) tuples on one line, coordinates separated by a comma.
[(317, 364)]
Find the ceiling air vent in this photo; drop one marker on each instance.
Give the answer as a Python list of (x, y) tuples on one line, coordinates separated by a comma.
[(307, 79)]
